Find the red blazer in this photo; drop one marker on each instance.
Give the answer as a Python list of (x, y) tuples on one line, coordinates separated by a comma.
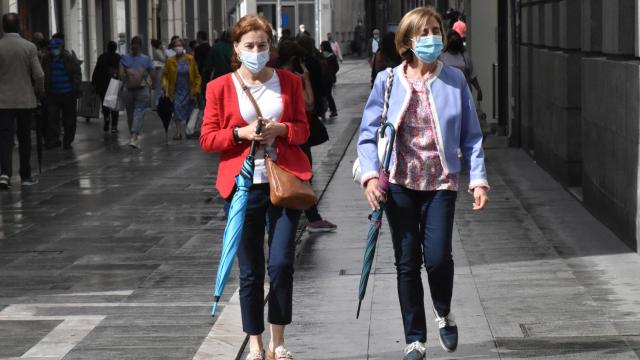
[(222, 114)]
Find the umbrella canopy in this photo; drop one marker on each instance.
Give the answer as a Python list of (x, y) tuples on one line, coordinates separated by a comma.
[(376, 217), (165, 111), (235, 223)]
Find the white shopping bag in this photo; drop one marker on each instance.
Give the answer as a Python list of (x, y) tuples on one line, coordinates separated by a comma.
[(194, 119), (113, 97)]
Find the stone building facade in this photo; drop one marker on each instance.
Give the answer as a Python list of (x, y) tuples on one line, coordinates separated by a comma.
[(579, 97)]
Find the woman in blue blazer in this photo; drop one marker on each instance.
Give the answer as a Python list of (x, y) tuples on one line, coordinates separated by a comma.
[(433, 112)]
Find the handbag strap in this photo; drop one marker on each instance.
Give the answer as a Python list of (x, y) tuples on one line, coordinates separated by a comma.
[(387, 96), (246, 90)]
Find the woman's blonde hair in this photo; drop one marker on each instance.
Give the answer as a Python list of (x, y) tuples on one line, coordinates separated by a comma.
[(412, 25)]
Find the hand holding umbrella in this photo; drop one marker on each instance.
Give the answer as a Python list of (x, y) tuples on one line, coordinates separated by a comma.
[(376, 216), (235, 221)]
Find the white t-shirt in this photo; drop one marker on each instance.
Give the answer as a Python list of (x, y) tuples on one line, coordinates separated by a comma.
[(269, 99)]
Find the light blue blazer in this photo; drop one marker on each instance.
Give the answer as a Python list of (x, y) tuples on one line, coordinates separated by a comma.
[(457, 127)]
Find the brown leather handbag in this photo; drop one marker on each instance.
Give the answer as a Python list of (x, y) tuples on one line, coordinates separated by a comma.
[(286, 190)]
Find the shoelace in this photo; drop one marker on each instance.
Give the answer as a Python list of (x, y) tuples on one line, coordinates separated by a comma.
[(416, 345), (283, 354), (445, 321)]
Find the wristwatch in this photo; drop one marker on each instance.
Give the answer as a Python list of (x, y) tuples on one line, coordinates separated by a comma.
[(236, 136)]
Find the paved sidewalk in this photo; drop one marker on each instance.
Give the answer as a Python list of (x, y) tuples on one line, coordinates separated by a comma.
[(536, 277)]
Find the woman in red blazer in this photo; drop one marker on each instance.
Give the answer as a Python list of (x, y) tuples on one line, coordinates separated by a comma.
[(229, 125)]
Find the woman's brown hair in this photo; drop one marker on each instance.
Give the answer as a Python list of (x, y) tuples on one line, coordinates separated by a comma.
[(245, 25), (412, 25)]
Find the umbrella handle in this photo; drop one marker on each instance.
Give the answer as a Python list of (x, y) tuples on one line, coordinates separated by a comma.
[(254, 145), (392, 138)]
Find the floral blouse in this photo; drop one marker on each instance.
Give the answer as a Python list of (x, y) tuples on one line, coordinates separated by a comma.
[(418, 165)]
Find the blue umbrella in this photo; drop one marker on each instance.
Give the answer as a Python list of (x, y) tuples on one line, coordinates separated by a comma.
[(235, 223), (376, 216)]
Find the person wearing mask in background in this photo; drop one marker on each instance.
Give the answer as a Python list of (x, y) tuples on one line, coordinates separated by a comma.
[(219, 58), (311, 60), (60, 36), (159, 59), (169, 51), (229, 126), (136, 71), (290, 56), (182, 83), (373, 46), (387, 55), (20, 71), (430, 107), (335, 46), (301, 31), (105, 70), (457, 57), (332, 68), (62, 85)]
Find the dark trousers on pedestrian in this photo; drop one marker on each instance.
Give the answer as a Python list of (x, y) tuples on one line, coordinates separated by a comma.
[(281, 225), (311, 213), (10, 121), (421, 225), (331, 101), (61, 108), (110, 116)]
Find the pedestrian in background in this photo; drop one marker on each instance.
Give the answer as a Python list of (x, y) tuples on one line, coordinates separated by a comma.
[(20, 71), (457, 57), (159, 59), (219, 58), (318, 79), (332, 71), (228, 127), (182, 83), (373, 46), (105, 70), (202, 50), (168, 52), (460, 27), (62, 84), (136, 71), (387, 56), (335, 46), (436, 130)]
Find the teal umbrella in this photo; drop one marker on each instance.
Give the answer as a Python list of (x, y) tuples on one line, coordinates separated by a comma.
[(376, 216), (235, 223)]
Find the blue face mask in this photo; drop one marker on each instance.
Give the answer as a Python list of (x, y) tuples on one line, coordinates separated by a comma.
[(428, 48), (255, 62)]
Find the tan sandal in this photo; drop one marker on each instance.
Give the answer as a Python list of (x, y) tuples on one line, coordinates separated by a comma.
[(280, 354), (256, 355)]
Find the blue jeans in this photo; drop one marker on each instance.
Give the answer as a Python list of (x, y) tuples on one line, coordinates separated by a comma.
[(421, 225), (281, 225), (136, 102)]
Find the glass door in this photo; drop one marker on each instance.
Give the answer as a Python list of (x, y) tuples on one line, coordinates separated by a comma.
[(289, 19)]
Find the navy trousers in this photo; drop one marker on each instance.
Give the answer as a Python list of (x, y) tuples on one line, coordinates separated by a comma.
[(281, 225), (421, 225)]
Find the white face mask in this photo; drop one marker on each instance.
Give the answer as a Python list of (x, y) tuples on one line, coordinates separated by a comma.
[(179, 50), (255, 62)]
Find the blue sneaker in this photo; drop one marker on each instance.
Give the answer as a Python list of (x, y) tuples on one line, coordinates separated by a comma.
[(415, 351), (448, 332)]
